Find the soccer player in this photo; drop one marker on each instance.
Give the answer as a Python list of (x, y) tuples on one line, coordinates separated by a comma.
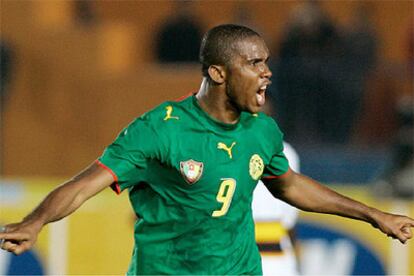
[(191, 166)]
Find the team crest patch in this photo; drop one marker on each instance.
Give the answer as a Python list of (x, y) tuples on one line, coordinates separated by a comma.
[(256, 166), (191, 170)]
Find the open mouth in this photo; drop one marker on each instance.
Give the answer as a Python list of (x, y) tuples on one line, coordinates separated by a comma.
[(261, 95)]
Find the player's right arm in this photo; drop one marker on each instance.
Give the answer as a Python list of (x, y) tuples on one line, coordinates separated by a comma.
[(61, 202)]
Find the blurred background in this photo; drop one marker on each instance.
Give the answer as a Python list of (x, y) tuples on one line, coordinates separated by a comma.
[(74, 73)]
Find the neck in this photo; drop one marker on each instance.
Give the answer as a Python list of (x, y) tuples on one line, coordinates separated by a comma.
[(214, 100)]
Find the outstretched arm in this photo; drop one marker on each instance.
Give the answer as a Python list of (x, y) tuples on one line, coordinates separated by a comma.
[(309, 195), (59, 203)]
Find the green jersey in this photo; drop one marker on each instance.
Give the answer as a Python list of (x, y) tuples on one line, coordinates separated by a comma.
[(190, 180)]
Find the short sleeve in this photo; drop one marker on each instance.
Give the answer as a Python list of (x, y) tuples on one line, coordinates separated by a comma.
[(127, 157), (278, 164)]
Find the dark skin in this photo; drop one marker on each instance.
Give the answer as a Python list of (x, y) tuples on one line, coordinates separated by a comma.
[(234, 88), (309, 195), (61, 202), (231, 89)]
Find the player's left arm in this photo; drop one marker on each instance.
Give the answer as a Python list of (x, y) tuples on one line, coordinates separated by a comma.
[(310, 195)]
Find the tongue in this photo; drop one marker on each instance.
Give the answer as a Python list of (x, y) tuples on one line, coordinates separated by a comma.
[(260, 97)]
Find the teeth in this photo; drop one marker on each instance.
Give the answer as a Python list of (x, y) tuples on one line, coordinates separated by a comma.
[(264, 87)]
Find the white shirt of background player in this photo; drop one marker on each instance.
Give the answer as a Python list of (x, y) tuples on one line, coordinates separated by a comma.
[(267, 208)]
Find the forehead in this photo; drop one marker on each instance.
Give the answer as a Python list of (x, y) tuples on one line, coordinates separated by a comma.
[(251, 47)]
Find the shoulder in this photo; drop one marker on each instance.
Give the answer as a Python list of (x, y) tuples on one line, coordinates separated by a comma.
[(167, 114), (264, 123), (266, 130)]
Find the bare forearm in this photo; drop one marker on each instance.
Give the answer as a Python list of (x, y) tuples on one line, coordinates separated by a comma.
[(58, 204), (69, 196), (309, 195), (20, 237)]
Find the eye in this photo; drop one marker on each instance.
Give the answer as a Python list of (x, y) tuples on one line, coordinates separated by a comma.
[(255, 62)]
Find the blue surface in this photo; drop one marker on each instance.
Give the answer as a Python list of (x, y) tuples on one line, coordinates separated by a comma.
[(26, 264), (366, 261)]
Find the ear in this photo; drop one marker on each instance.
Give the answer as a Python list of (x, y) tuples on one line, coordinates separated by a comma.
[(217, 73)]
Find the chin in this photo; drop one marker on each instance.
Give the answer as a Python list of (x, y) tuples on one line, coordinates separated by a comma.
[(253, 110)]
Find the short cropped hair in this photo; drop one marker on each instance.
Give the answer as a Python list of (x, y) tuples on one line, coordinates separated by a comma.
[(217, 46)]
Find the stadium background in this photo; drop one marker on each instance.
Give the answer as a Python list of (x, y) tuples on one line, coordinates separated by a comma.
[(73, 87)]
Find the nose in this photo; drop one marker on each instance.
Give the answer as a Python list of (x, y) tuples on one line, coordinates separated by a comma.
[(266, 72)]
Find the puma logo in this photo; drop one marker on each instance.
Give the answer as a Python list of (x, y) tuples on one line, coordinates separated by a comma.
[(168, 115), (223, 146)]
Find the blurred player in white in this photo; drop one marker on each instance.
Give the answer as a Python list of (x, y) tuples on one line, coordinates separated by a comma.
[(278, 258)]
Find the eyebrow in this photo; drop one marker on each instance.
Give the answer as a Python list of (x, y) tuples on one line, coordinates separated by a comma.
[(259, 59)]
